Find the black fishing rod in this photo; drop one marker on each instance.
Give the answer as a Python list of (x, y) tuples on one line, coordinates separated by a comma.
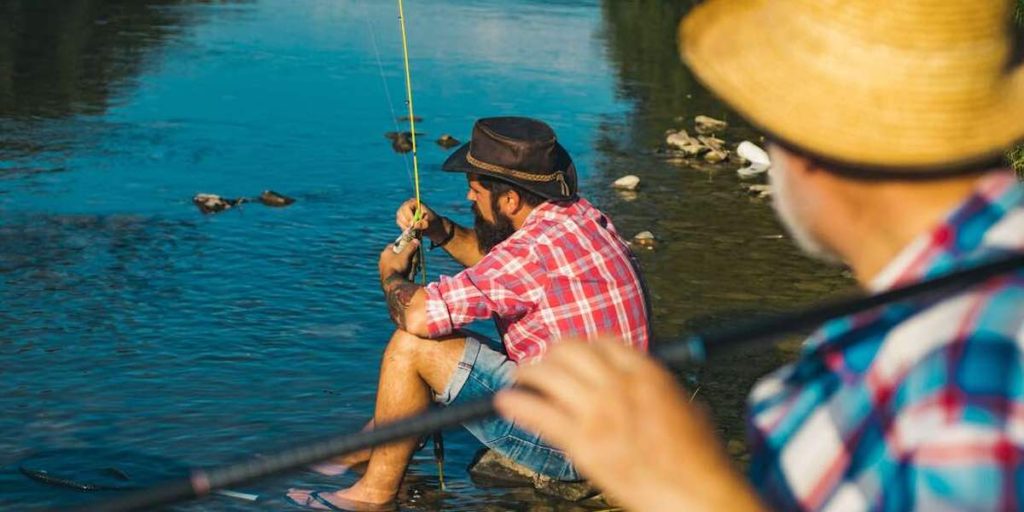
[(676, 355)]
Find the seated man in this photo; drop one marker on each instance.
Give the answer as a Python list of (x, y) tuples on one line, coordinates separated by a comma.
[(543, 262)]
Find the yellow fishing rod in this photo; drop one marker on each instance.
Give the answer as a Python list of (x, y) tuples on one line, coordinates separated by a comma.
[(411, 233)]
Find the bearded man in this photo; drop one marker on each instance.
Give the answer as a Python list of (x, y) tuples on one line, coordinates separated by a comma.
[(541, 261), (889, 122)]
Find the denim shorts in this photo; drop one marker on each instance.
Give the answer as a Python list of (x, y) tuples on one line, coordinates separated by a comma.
[(481, 372)]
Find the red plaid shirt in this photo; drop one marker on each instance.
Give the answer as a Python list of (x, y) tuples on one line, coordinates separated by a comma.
[(565, 273)]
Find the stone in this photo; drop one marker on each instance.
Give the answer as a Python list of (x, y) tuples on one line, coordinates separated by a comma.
[(712, 142), (401, 142), (628, 182), (679, 139), (490, 469), (212, 203), (645, 239), (447, 141), (716, 156), (759, 163), (708, 125), (628, 195), (271, 198), (760, 191)]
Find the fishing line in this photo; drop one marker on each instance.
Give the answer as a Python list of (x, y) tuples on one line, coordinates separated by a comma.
[(387, 90), (675, 355)]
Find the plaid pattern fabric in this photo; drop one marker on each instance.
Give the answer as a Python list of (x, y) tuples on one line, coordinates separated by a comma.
[(565, 273), (918, 405)]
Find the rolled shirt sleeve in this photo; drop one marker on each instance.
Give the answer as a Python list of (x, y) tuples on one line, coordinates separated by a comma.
[(508, 282)]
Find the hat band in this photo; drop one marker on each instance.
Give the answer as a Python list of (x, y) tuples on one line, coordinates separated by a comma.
[(558, 176)]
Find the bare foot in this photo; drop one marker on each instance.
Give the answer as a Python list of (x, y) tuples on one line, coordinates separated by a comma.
[(353, 499)]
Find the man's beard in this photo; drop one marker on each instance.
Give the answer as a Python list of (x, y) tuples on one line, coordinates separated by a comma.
[(786, 208), (490, 234)]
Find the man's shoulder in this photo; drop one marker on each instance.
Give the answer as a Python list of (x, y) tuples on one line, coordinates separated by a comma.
[(554, 221), (978, 333)]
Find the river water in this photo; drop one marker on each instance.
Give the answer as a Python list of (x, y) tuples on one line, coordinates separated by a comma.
[(129, 320)]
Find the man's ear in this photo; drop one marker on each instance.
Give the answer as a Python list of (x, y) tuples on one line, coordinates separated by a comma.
[(511, 202)]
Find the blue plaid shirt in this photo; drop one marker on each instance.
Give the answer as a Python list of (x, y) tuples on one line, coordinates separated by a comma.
[(918, 405)]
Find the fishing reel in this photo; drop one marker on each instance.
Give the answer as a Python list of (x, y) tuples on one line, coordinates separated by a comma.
[(403, 240), (400, 244)]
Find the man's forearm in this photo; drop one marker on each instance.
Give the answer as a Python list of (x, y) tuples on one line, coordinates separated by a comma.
[(399, 293), (463, 246)]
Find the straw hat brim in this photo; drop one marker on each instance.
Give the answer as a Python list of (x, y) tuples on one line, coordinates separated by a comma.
[(792, 70)]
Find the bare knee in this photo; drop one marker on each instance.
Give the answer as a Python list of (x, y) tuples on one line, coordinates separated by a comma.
[(403, 347)]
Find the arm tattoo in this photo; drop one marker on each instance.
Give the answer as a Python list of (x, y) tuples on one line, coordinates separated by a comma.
[(398, 292)]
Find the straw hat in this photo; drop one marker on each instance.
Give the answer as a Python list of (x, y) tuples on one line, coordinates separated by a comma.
[(908, 85)]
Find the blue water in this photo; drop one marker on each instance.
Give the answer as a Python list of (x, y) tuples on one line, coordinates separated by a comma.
[(129, 320)]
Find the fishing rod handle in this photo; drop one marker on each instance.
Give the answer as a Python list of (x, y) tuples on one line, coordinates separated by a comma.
[(403, 240)]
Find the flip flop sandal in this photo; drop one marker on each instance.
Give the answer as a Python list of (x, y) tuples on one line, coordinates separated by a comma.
[(343, 504)]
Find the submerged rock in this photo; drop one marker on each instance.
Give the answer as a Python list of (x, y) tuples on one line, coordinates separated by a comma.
[(271, 198), (645, 239), (212, 203), (683, 142), (716, 156), (490, 469), (629, 182), (401, 142), (760, 191), (708, 125), (447, 141)]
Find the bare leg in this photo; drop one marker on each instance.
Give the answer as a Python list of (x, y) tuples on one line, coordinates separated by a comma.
[(410, 369), (340, 465)]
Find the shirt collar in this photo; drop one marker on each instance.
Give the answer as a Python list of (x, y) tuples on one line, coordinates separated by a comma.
[(913, 263)]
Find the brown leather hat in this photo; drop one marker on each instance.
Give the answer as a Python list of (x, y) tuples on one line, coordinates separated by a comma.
[(521, 151)]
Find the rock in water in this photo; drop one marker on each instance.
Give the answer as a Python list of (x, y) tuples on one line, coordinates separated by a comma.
[(758, 158), (494, 470), (447, 141), (401, 142), (212, 203), (645, 239), (760, 191), (688, 145), (629, 182), (708, 125), (716, 156), (271, 198)]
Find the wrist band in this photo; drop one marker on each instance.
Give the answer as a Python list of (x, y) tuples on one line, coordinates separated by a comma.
[(447, 236)]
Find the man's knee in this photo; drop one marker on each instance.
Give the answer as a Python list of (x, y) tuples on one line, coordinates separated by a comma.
[(403, 346)]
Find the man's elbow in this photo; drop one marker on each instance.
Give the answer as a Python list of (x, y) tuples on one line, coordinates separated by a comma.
[(416, 323)]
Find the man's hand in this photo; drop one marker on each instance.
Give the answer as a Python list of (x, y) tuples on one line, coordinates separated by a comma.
[(401, 263), (628, 427), (406, 300), (429, 224)]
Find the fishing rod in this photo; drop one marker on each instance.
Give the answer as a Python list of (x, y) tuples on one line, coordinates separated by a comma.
[(675, 355), (411, 233)]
